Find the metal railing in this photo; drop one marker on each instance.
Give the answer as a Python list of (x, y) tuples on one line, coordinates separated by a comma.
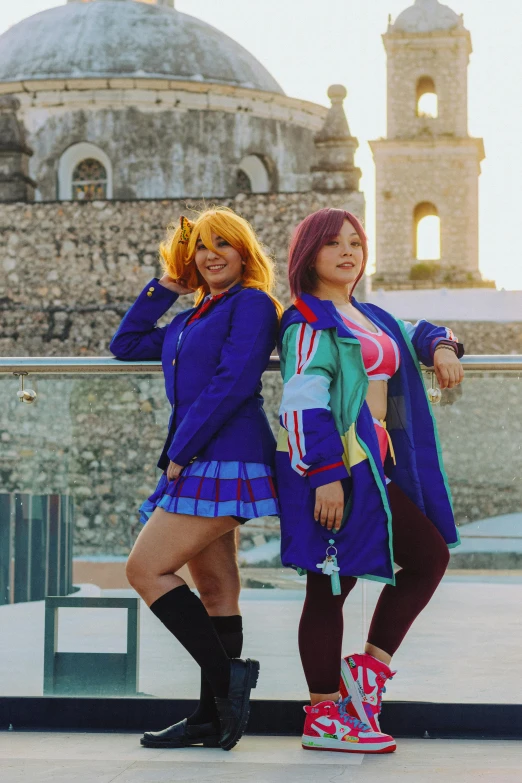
[(43, 365)]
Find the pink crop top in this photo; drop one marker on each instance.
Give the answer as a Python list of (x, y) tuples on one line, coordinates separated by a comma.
[(380, 352)]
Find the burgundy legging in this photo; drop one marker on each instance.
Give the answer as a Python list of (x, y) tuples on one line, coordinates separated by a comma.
[(422, 555)]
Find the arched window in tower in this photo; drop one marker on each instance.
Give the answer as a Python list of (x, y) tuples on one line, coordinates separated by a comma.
[(426, 224), (252, 175), (89, 180), (427, 101)]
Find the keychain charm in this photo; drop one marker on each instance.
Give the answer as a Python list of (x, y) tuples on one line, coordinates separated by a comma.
[(330, 568)]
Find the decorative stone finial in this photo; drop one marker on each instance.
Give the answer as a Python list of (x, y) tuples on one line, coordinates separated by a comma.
[(335, 125), (15, 183), (337, 93), (335, 147)]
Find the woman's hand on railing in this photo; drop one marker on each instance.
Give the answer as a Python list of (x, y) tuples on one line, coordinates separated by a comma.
[(173, 471), (329, 505), (447, 366), (177, 286)]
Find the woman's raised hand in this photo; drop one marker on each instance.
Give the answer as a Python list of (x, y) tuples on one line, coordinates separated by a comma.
[(179, 286), (448, 369), (329, 505), (173, 471)]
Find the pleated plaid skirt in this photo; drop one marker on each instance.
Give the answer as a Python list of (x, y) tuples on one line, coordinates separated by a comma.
[(244, 490)]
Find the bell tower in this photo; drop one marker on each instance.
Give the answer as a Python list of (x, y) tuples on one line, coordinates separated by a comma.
[(427, 167)]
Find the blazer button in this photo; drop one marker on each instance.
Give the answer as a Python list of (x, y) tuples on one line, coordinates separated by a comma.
[(149, 293), (151, 288)]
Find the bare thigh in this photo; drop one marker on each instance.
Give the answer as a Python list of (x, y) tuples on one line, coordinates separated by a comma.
[(216, 575), (166, 543)]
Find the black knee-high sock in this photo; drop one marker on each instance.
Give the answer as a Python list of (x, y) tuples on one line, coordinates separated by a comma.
[(182, 612), (230, 631)]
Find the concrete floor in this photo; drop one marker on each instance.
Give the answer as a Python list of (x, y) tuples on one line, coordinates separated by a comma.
[(29, 757)]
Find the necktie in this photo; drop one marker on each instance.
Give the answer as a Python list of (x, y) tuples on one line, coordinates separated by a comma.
[(207, 304)]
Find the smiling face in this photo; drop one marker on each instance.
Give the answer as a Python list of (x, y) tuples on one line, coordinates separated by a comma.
[(222, 269), (339, 262)]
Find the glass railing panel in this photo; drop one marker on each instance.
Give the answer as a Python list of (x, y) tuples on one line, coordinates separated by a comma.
[(82, 457), (74, 466), (451, 653)]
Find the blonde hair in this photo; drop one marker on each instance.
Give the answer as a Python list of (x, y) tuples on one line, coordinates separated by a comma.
[(178, 252)]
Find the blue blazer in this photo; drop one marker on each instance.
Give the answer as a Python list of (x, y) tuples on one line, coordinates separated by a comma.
[(212, 370)]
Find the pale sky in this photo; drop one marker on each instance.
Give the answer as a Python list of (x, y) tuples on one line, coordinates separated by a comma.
[(308, 45)]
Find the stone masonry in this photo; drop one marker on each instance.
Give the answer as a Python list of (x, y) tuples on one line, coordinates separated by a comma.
[(427, 164), (70, 271)]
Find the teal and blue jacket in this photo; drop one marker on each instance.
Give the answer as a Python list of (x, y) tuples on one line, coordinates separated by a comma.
[(327, 434)]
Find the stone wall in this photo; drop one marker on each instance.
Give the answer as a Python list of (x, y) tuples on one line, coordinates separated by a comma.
[(484, 337), (71, 269), (69, 273), (480, 427)]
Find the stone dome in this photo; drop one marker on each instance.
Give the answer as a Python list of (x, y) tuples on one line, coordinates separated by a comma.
[(125, 38), (425, 16)]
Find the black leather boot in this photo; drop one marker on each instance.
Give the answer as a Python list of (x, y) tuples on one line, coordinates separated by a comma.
[(181, 735), (234, 710)]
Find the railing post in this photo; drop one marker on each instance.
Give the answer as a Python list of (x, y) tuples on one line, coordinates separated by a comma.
[(6, 527), (63, 549), (53, 559), (38, 549), (22, 548), (70, 517)]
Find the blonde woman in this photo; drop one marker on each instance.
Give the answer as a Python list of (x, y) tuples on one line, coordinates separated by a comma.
[(217, 461)]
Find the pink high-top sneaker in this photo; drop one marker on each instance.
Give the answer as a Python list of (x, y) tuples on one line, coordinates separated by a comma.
[(328, 726), (363, 678)]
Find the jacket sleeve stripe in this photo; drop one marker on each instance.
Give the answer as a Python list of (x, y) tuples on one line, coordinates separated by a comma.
[(307, 343), (299, 353), (305, 407), (311, 350), (295, 433), (306, 346), (326, 467)]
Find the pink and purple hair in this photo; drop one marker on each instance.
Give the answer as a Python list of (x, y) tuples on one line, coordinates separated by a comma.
[(309, 237)]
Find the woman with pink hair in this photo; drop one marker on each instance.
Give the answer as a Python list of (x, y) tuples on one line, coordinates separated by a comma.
[(360, 475)]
